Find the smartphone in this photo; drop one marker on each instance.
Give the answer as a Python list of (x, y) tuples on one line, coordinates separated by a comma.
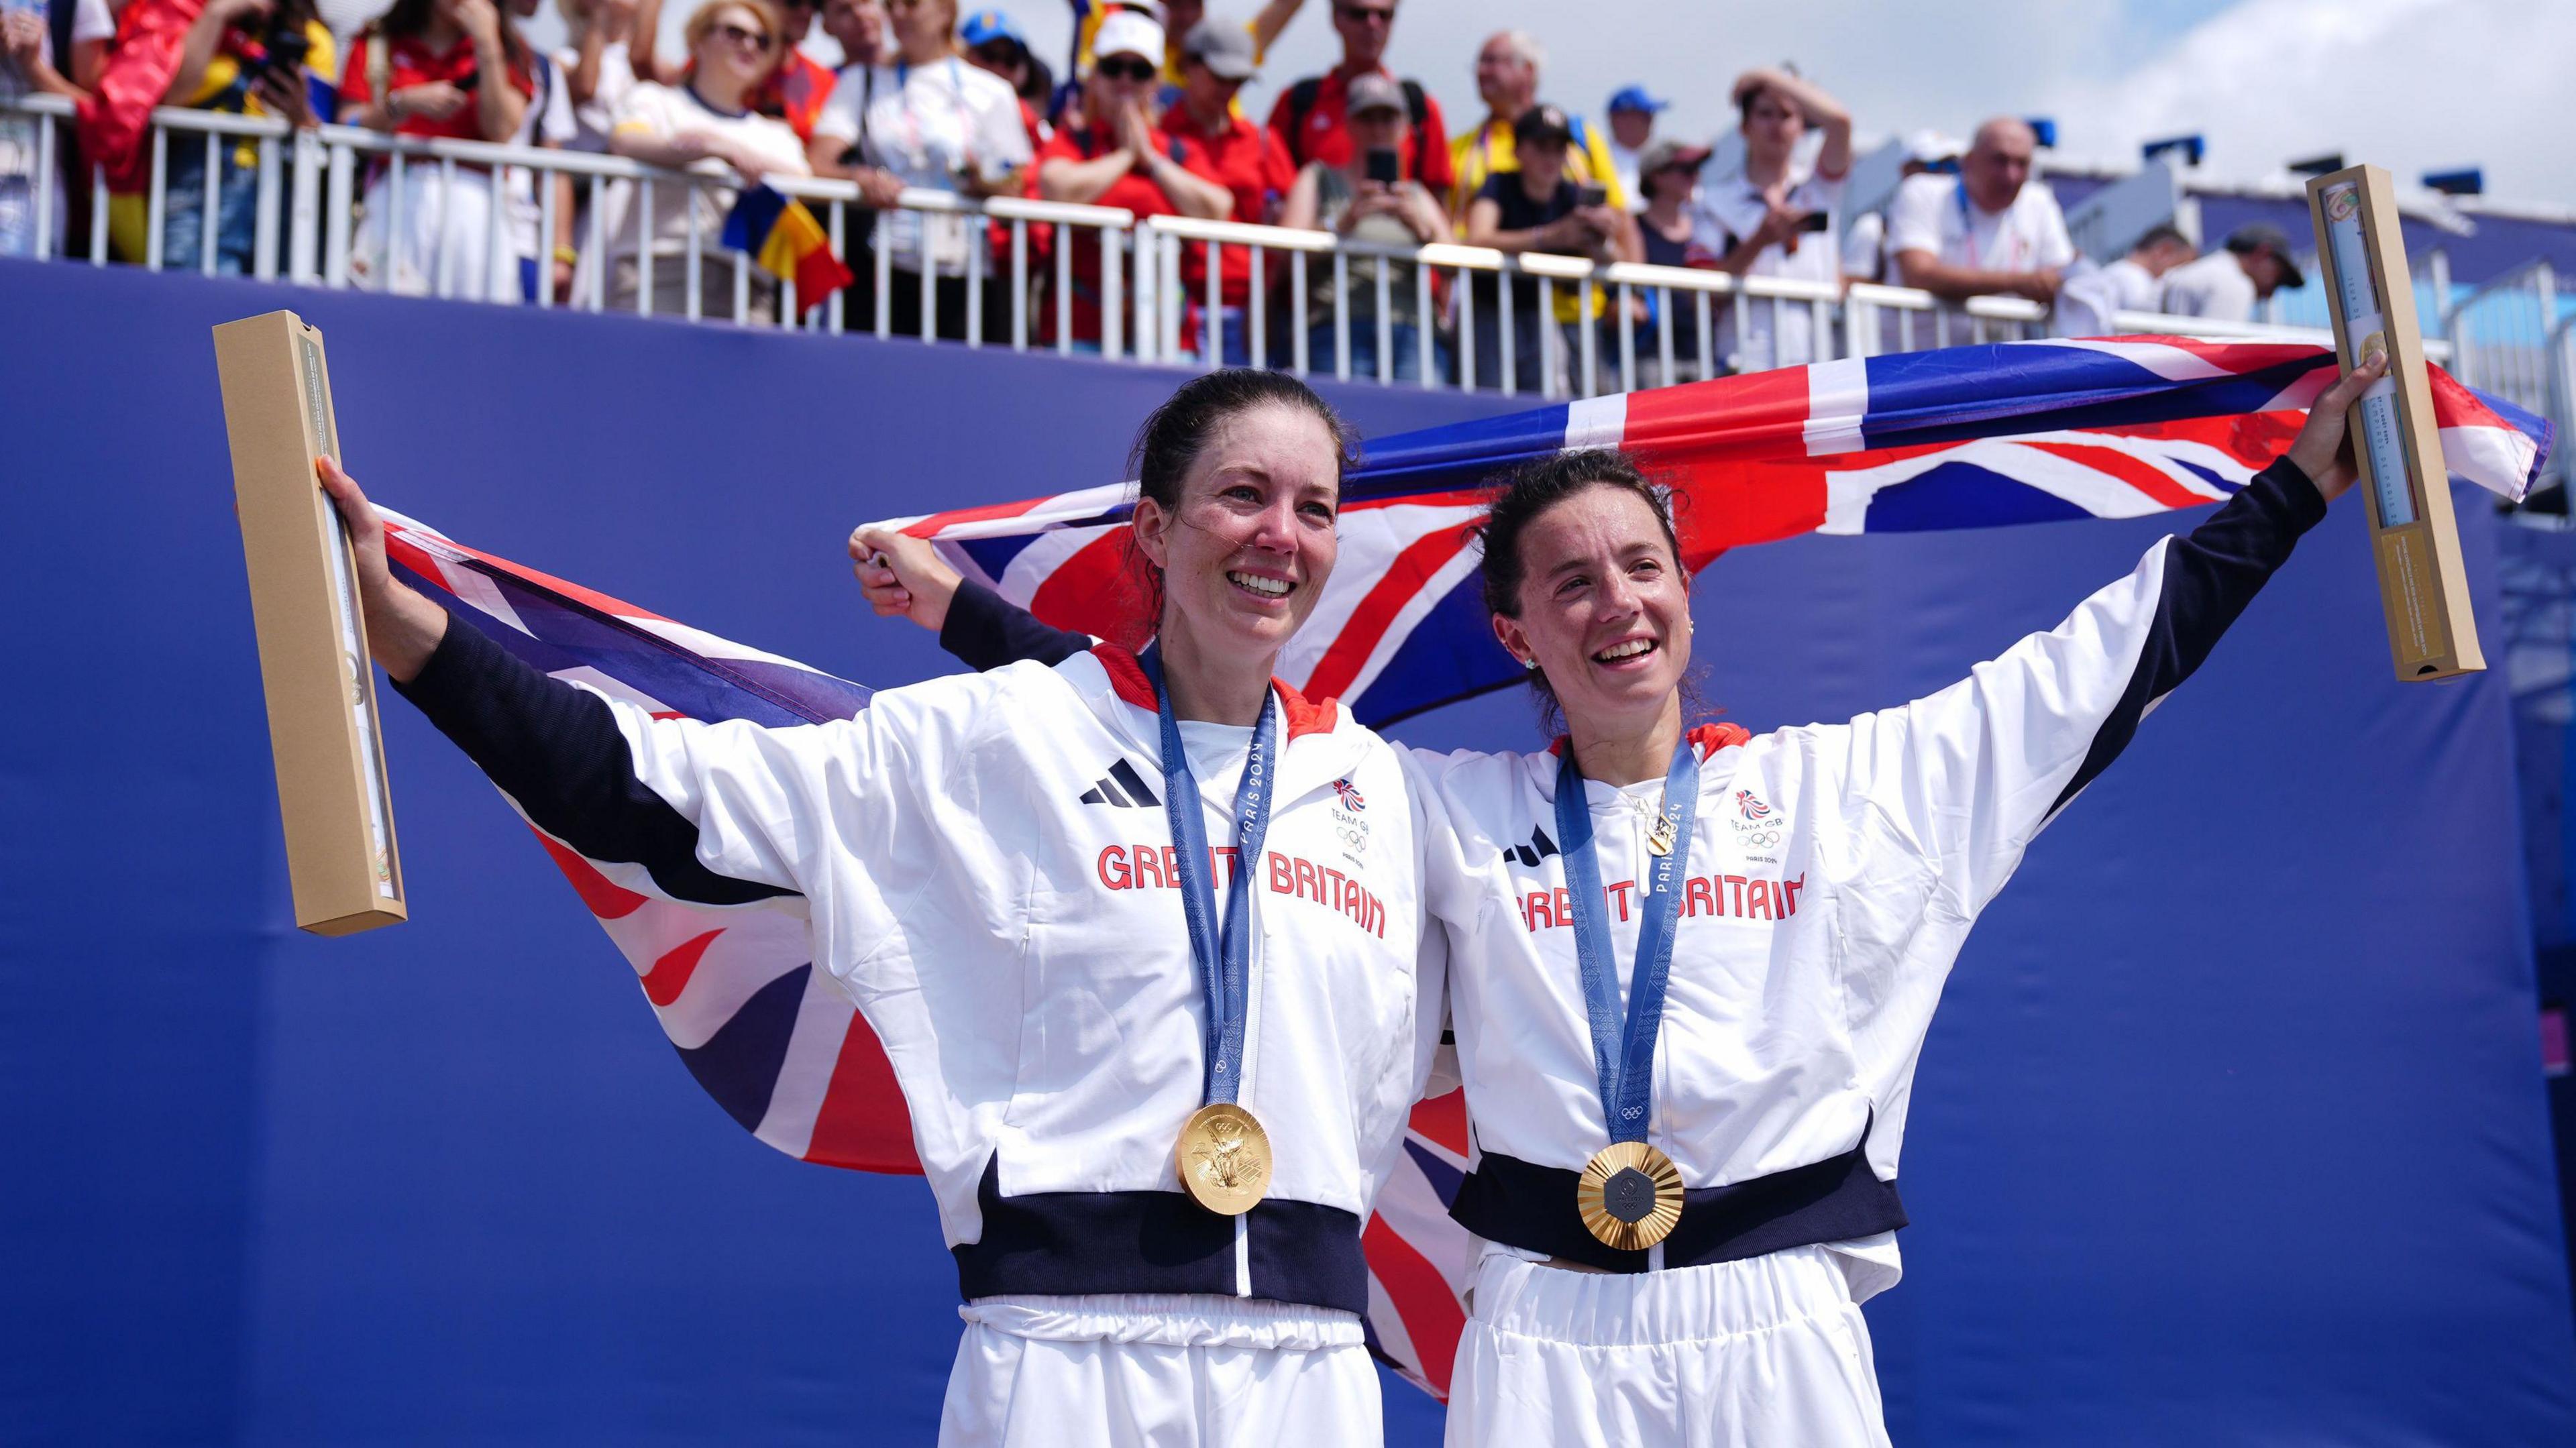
[(1593, 195), (1815, 221), (1382, 166)]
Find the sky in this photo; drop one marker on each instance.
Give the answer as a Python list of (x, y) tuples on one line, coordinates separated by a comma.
[(2413, 85)]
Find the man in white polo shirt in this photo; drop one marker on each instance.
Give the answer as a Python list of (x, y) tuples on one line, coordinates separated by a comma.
[(1777, 218), (1986, 231), (2227, 284)]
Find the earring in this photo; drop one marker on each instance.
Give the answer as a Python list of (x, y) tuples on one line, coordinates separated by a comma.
[(1529, 664)]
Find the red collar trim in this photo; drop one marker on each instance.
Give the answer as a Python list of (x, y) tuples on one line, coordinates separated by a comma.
[(1709, 737), (1127, 676)]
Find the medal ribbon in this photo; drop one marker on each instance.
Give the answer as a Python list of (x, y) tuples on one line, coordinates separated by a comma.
[(1223, 954), (1625, 1060)]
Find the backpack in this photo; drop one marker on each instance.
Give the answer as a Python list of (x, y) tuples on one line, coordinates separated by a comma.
[(1301, 103)]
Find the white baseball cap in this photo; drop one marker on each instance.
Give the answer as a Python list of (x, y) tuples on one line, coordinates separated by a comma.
[(1125, 32)]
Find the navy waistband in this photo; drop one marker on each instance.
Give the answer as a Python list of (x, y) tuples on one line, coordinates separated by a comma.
[(1518, 1204), (1077, 1243)]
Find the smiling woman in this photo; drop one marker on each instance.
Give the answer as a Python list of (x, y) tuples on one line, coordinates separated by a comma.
[(1696, 966), (1055, 893)]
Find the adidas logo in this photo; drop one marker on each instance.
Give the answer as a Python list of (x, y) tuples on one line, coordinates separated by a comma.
[(1123, 787), (1538, 848)]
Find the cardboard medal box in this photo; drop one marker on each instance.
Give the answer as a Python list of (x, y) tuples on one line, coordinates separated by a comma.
[(341, 854), (2423, 587)]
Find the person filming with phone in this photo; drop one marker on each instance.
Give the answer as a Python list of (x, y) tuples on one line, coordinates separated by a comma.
[(1539, 208), (1777, 218), (1371, 198)]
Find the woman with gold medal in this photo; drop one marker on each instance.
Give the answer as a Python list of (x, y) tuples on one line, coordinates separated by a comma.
[(1145, 971), (1691, 969)]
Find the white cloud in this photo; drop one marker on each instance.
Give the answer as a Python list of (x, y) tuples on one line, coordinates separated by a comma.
[(2413, 85)]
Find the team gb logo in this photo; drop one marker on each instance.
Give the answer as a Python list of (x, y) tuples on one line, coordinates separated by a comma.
[(1753, 809), (1350, 796)]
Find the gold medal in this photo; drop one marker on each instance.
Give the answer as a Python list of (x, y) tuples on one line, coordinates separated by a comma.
[(1630, 1195), (1659, 840), (1223, 1157)]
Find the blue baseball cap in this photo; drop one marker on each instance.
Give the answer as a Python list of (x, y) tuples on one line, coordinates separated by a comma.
[(1634, 98), (987, 25)]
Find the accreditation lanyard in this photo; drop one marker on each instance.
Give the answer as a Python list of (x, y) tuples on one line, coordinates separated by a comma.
[(1625, 1060), (1222, 954)]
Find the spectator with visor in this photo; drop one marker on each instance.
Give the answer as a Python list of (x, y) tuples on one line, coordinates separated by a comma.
[(707, 118), (1536, 207), (1369, 201), (1507, 68), (1668, 175), (1986, 231), (1119, 155), (1778, 217)]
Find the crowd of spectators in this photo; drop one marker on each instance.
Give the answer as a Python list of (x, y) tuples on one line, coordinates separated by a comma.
[(1147, 117)]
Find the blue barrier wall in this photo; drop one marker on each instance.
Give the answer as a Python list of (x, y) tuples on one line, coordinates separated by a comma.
[(2230, 1131)]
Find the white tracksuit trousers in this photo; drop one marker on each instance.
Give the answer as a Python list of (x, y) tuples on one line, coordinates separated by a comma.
[(1152, 1371), (1768, 1353)]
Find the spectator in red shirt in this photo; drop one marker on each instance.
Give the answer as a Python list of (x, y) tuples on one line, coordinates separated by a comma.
[(1312, 117), (1216, 59), (442, 68), (1117, 157)]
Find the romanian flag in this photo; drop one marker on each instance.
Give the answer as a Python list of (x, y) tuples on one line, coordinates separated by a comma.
[(783, 239)]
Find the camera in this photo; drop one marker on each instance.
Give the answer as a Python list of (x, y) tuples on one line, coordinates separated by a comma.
[(1594, 194)]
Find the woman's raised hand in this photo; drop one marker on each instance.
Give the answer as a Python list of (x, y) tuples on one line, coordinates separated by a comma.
[(403, 627), (903, 576), (2323, 448)]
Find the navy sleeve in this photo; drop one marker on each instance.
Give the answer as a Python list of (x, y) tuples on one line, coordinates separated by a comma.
[(557, 751), (985, 631), (2209, 578)]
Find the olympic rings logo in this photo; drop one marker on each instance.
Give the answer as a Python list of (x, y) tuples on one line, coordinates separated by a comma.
[(1757, 837)]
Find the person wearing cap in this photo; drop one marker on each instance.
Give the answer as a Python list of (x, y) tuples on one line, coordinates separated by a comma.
[(1537, 207), (1632, 129), (1217, 57), (2090, 300), (1178, 18), (2227, 284), (1668, 229), (1778, 218), (1346, 200), (1986, 231), (994, 43), (1507, 68), (1115, 153), (1312, 117), (930, 121)]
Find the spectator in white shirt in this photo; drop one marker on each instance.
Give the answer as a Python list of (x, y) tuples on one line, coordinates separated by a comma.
[(598, 66), (1776, 218), (1985, 232), (932, 121), (1632, 130), (2088, 301), (2227, 284), (733, 44)]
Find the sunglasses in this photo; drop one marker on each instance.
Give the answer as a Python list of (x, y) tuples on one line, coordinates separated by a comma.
[(735, 34), (1366, 14), (1125, 67)]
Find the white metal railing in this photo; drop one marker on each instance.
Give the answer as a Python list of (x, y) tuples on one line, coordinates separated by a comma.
[(1480, 318)]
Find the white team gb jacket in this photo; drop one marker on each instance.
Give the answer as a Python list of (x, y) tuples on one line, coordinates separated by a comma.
[(986, 867), (1833, 873)]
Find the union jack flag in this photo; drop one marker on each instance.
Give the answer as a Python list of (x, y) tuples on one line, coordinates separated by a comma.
[(1963, 437)]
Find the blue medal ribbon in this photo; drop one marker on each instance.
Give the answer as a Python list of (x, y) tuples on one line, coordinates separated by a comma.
[(1223, 954), (1626, 1059)]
